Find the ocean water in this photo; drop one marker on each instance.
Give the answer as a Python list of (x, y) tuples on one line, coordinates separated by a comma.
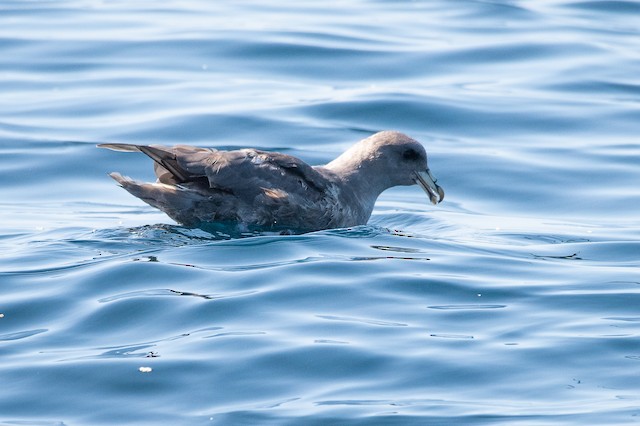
[(515, 301)]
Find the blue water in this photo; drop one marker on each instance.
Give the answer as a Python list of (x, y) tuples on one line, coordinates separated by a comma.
[(515, 301)]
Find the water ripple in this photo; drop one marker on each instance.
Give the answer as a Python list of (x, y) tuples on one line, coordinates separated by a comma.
[(362, 320), (21, 334), (518, 292), (466, 307)]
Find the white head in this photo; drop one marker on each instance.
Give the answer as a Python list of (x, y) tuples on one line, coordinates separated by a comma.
[(387, 159)]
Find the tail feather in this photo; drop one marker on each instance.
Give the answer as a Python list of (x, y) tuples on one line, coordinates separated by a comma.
[(122, 147), (167, 160), (176, 202), (162, 156)]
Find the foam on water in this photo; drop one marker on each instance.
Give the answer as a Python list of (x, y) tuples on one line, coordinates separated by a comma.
[(514, 301)]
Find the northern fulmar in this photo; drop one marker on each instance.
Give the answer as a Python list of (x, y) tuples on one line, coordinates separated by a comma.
[(270, 190)]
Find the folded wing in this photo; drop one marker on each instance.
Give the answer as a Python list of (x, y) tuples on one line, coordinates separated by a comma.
[(245, 173)]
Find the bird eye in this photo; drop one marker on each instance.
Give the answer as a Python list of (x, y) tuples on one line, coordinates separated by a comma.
[(410, 154)]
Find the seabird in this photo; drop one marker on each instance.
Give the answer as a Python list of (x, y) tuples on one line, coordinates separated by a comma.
[(274, 191)]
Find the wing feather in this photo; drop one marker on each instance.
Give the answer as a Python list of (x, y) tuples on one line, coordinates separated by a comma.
[(246, 173)]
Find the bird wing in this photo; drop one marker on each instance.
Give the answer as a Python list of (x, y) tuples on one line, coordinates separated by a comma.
[(245, 173)]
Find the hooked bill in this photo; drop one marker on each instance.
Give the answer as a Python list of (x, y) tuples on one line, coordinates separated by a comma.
[(429, 185)]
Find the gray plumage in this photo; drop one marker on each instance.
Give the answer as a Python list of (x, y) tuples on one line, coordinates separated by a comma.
[(271, 190)]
